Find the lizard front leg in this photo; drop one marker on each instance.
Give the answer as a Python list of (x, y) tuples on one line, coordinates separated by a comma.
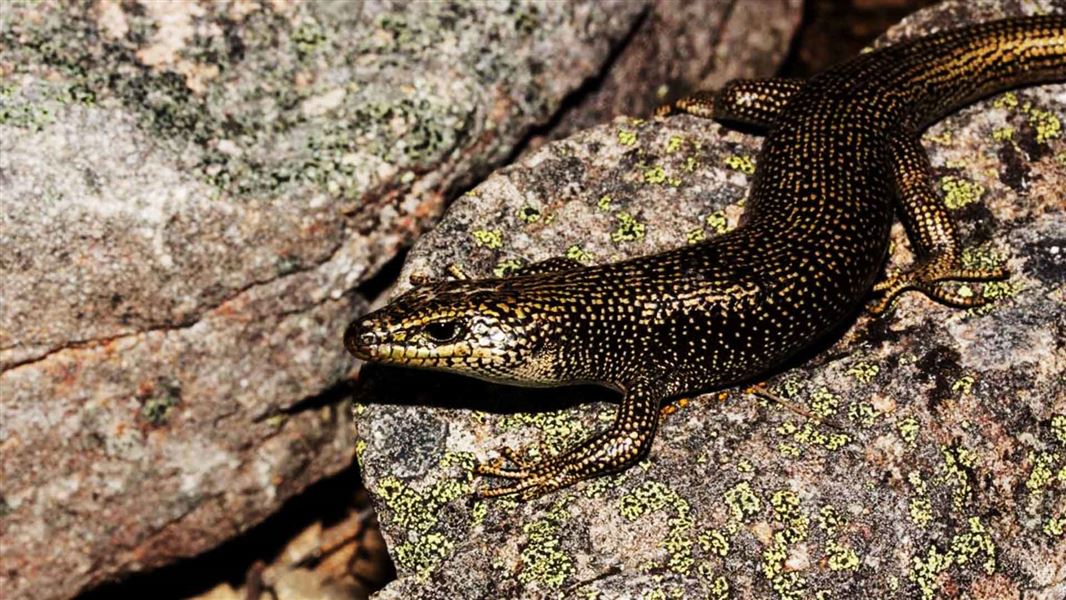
[(755, 102), (624, 443)]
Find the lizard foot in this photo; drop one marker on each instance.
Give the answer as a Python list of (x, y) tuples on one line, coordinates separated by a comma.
[(529, 480), (929, 276)]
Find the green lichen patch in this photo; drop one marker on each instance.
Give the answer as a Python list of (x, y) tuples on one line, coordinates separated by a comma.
[(652, 496), (863, 413), (744, 164), (1046, 123), (507, 266), (543, 559), (1055, 527), (1043, 471), (959, 192), (529, 214), (158, 402), (971, 547), (654, 174), (824, 403), (417, 512), (1058, 428), (33, 106), (1003, 134), (742, 501), (955, 471), (717, 222), (908, 428), (558, 430), (863, 372), (627, 137), (579, 254), (629, 229), (492, 239), (840, 557), (714, 542), (794, 528)]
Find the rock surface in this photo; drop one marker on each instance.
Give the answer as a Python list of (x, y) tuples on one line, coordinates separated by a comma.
[(196, 196), (932, 458), (682, 46)]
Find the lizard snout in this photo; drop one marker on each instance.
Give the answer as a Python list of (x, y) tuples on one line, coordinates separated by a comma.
[(360, 340)]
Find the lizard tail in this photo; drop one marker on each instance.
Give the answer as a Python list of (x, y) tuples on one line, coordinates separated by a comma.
[(948, 70)]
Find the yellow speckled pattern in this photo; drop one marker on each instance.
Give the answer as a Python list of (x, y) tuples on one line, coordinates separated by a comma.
[(841, 152)]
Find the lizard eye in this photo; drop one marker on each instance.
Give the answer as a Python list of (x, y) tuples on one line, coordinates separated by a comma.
[(443, 331)]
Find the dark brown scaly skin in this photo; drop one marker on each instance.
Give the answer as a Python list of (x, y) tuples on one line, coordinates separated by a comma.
[(842, 151)]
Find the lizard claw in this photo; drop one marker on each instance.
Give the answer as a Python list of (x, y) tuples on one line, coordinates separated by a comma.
[(929, 277), (528, 481), (495, 467)]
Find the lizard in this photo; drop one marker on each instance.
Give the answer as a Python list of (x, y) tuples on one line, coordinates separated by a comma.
[(842, 153)]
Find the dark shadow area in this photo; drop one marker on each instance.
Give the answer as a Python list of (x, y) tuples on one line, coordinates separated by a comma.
[(241, 560), (832, 31), (380, 384)]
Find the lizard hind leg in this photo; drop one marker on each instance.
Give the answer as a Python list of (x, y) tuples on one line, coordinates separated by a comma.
[(933, 235)]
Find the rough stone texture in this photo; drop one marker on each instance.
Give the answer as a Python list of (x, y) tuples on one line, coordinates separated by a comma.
[(193, 194), (682, 46), (932, 458)]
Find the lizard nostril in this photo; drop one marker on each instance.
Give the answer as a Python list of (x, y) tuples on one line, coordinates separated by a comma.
[(357, 338)]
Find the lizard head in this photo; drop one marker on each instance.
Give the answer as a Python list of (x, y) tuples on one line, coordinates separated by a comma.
[(479, 328)]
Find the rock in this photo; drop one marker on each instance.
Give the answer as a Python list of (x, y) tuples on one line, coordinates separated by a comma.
[(197, 199), (932, 461), (682, 46)]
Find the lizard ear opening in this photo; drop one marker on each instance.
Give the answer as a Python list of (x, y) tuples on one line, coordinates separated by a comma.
[(442, 331)]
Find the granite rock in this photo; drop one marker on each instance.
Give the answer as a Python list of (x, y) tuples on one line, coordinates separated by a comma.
[(918, 455), (197, 197), (679, 47)]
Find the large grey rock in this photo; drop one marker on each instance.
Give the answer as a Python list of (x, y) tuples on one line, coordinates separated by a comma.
[(931, 461), (194, 195)]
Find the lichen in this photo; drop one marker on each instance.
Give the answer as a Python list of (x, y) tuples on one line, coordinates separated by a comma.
[(507, 267), (744, 164), (491, 239), (743, 501), (908, 429), (629, 229), (559, 429), (824, 403), (714, 541), (1043, 470), (543, 559), (1046, 123), (795, 526), (654, 174), (529, 214), (863, 372), (717, 222), (974, 546), (862, 413), (416, 512), (1058, 428), (958, 461), (841, 558), (652, 496), (959, 192), (579, 254)]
